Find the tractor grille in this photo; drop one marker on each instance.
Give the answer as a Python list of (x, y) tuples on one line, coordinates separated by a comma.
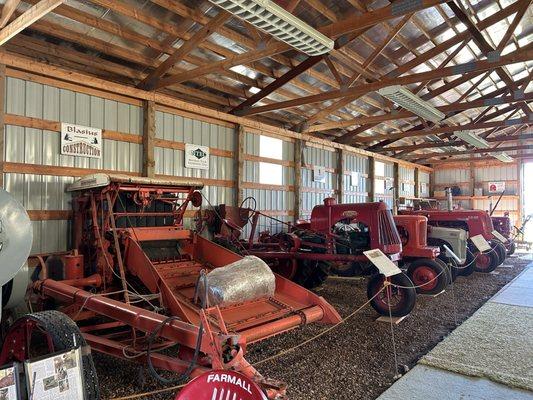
[(388, 235)]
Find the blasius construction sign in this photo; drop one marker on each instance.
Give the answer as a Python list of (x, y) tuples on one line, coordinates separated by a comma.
[(196, 156), (81, 141)]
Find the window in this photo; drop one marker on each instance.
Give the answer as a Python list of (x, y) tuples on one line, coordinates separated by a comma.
[(380, 186), (269, 173), (379, 172)]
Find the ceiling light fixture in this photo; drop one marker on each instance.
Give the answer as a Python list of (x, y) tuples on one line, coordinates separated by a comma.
[(473, 139), (404, 98), (503, 157), (273, 19)]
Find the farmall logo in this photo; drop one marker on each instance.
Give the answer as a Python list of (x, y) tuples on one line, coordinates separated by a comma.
[(198, 153)]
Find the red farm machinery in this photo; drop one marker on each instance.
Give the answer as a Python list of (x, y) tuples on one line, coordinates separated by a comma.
[(504, 227), (137, 283), (333, 241)]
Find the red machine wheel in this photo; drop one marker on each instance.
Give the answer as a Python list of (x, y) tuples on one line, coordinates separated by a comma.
[(47, 332), (286, 268), (399, 300), (431, 276), (486, 262)]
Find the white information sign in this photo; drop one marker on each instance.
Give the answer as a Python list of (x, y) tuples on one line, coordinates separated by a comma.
[(382, 262), (9, 389), (81, 141), (499, 236), (58, 377), (319, 174), (496, 187), (481, 243), (196, 157), (354, 179)]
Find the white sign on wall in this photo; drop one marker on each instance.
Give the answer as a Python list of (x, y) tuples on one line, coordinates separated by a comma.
[(319, 174), (354, 179), (196, 157), (496, 187), (81, 141)]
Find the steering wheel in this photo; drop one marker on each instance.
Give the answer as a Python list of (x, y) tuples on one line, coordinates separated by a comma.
[(253, 207)]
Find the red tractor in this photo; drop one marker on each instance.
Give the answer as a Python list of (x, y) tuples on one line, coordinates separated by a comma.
[(332, 241), (475, 222), (504, 226), (427, 271), (138, 282)]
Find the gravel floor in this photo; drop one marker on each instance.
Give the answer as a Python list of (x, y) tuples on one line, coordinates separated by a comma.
[(354, 361)]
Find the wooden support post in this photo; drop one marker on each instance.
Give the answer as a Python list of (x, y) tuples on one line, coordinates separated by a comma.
[(340, 176), (371, 179), (417, 183), (148, 139), (2, 124), (397, 186), (472, 179), (298, 151), (239, 165)]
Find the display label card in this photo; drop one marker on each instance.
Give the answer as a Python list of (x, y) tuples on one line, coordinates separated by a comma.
[(196, 157), (382, 262), (499, 236), (496, 187), (81, 141), (58, 377), (481, 243), (9, 387), (319, 174)]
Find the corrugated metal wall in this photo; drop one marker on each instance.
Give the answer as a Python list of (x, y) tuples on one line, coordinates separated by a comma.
[(356, 193), (407, 181), (314, 193), (424, 180), (40, 147), (386, 197)]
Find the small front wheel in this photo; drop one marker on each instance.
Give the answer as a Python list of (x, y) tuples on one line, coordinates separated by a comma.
[(487, 262), (428, 276), (397, 299)]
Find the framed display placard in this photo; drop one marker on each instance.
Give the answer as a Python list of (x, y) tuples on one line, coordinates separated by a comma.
[(9, 383), (56, 377), (382, 262)]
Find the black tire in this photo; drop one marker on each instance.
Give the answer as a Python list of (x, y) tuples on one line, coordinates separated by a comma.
[(512, 249), (469, 266), (380, 303), (450, 265), (500, 250), (311, 274), (62, 331), (487, 262), (228, 245), (430, 275)]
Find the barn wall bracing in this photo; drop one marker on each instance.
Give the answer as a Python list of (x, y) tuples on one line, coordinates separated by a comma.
[(477, 175), (37, 174)]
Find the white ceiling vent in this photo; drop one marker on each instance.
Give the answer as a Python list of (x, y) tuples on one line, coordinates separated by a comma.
[(404, 98), (473, 139), (503, 157), (273, 19)]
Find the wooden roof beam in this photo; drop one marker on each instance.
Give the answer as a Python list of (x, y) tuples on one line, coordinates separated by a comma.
[(428, 156), (7, 11), (31, 15)]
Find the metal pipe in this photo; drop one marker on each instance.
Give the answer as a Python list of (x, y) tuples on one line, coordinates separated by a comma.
[(449, 199)]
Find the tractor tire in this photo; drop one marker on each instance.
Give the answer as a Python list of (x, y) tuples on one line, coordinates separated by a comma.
[(429, 276), (512, 249), (451, 266), (311, 274), (227, 244), (403, 299), (487, 262), (469, 266), (62, 330), (500, 250)]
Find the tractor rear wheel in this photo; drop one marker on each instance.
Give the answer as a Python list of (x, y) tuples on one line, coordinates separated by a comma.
[(429, 276), (500, 249), (44, 333), (311, 274), (397, 299), (487, 262)]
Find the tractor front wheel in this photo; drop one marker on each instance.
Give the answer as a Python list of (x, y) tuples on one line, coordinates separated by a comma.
[(428, 276), (511, 249), (487, 262), (311, 274), (397, 299), (500, 249), (469, 266)]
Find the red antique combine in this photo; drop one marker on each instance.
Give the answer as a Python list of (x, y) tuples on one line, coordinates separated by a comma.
[(427, 271), (475, 222), (137, 283), (334, 239)]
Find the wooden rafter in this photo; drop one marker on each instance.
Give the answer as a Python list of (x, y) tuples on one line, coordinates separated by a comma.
[(7, 11), (29, 17), (152, 80)]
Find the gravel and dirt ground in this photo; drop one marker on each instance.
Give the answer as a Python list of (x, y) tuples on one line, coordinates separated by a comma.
[(354, 361)]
